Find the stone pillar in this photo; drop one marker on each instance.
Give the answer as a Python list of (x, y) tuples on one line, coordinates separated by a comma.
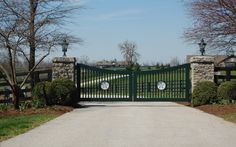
[(202, 69), (64, 67)]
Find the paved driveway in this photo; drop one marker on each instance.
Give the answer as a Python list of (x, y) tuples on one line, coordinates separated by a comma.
[(131, 125)]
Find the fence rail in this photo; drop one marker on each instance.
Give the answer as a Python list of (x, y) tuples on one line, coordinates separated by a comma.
[(39, 76), (224, 74)]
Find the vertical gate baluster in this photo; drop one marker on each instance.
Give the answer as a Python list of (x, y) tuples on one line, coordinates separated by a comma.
[(155, 84), (116, 84), (79, 81), (130, 86), (187, 82)]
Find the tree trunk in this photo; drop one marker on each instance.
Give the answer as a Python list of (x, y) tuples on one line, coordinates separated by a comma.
[(33, 8), (16, 96), (31, 65)]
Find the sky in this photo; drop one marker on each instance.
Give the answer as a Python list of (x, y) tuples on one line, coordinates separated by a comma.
[(156, 26)]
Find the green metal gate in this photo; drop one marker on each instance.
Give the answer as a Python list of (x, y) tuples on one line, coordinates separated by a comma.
[(169, 84)]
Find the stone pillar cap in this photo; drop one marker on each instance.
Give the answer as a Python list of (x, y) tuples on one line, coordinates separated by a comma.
[(202, 59), (64, 59)]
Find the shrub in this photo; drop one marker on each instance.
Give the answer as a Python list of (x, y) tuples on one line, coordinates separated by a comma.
[(226, 92), (129, 67), (133, 67), (25, 105), (58, 92), (64, 92), (38, 103), (204, 93), (5, 106), (41, 95)]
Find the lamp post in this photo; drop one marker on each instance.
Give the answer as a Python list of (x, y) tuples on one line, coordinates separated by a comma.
[(202, 46), (64, 45), (230, 52)]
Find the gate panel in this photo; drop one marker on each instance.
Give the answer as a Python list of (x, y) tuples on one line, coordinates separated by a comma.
[(103, 85), (171, 84)]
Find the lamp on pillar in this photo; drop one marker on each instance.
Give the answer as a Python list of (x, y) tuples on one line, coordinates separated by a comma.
[(64, 45), (230, 52), (202, 46)]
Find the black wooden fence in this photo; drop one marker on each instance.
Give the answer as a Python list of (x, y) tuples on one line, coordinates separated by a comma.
[(39, 76), (223, 74)]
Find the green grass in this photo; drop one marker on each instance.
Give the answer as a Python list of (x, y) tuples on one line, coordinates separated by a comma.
[(224, 72), (230, 117), (11, 126)]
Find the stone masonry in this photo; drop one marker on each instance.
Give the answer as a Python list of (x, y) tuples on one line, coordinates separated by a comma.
[(202, 69), (64, 67)]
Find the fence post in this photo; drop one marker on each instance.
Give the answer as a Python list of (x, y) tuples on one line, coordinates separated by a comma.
[(36, 77), (228, 75), (64, 67), (49, 76), (202, 69)]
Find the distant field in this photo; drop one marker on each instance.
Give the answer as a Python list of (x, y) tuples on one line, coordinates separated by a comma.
[(142, 68), (224, 73)]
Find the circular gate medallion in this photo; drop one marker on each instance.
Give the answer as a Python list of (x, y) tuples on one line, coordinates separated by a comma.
[(161, 85), (105, 85)]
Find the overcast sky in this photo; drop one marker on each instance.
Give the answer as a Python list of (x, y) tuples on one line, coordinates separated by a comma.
[(155, 25)]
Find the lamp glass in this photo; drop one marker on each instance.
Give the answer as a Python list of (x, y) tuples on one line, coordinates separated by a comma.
[(231, 52), (202, 46), (64, 45)]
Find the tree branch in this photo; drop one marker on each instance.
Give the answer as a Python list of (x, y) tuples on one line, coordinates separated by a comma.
[(32, 70), (7, 78)]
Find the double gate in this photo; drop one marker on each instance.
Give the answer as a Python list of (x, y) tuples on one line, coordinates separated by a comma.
[(169, 84)]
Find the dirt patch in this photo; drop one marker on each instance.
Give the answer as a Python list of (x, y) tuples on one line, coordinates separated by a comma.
[(215, 109), (184, 103), (57, 110), (227, 112), (218, 110), (1, 97)]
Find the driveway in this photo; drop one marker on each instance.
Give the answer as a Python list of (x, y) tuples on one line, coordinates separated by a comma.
[(130, 125)]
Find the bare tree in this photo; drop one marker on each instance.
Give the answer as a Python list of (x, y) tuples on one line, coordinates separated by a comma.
[(174, 61), (129, 51), (215, 21), (83, 59), (27, 27), (43, 20)]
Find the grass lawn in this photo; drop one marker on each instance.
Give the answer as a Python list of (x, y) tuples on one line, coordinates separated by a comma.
[(230, 117), (14, 125), (13, 122)]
